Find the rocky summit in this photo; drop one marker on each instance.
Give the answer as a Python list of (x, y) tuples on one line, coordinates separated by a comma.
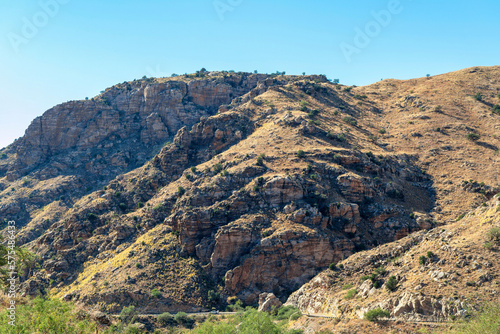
[(221, 185)]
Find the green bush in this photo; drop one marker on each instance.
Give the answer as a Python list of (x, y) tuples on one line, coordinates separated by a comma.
[(473, 136), (376, 314), (155, 293), (193, 169), (159, 207), (351, 293), (213, 296), (494, 234), (347, 286), (478, 96), (182, 318), (128, 314), (301, 154), (260, 159), (430, 254), (181, 191), (166, 319), (285, 312), (3, 156), (350, 120), (422, 260), (391, 284), (496, 109), (132, 329), (218, 168)]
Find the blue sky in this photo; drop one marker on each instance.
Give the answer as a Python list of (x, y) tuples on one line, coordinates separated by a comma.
[(77, 48)]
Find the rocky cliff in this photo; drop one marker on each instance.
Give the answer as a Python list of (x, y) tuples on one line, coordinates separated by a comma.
[(437, 275)]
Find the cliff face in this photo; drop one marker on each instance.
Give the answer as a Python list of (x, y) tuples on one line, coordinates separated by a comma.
[(90, 142), (236, 183), (440, 274)]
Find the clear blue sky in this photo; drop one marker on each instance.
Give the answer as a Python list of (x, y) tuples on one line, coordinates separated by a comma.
[(84, 46)]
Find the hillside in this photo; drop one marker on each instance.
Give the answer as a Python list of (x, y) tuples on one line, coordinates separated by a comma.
[(238, 184), (440, 274)]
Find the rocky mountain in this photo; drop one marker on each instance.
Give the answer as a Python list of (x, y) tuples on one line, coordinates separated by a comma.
[(438, 275), (220, 184)]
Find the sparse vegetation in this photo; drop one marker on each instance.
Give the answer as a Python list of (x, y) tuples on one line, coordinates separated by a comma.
[(376, 314), (260, 159), (155, 293), (472, 136), (301, 154), (218, 168), (391, 284), (351, 293), (350, 120), (494, 234)]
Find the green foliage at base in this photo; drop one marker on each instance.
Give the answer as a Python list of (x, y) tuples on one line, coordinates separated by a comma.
[(252, 322), (45, 316), (484, 322), (376, 314)]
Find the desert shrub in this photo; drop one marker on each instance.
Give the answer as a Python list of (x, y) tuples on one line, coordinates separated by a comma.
[(391, 284), (213, 296), (473, 136), (132, 329), (382, 131), (3, 156), (123, 206), (430, 254), (496, 109), (494, 234), (347, 286), (92, 217), (422, 260), (235, 306), (182, 318), (155, 293), (128, 314), (188, 176), (301, 154), (159, 207), (351, 293), (285, 312), (488, 245), (166, 319), (193, 169), (181, 191), (478, 96), (350, 120), (218, 168), (438, 109), (376, 314), (260, 159)]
